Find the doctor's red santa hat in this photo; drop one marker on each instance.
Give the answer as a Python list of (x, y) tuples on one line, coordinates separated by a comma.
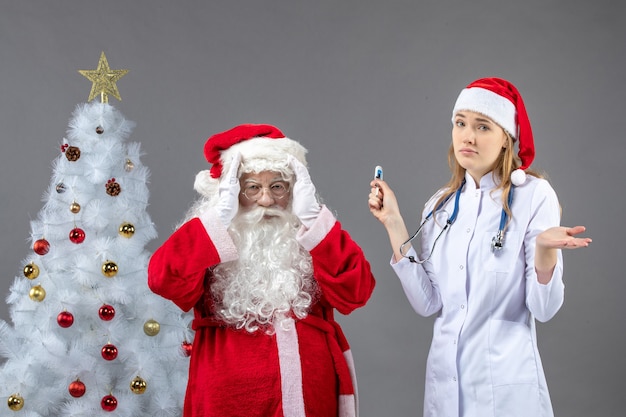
[(500, 100), (262, 147)]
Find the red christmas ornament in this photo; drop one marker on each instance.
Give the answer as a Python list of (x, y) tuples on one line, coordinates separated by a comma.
[(77, 235), (108, 403), (109, 352), (77, 388), (187, 348), (41, 247), (106, 312), (65, 319)]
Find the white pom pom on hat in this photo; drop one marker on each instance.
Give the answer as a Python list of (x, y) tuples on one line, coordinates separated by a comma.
[(500, 100), (518, 177), (262, 146), (204, 184)]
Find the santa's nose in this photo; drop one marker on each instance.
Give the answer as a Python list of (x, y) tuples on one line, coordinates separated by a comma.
[(266, 199)]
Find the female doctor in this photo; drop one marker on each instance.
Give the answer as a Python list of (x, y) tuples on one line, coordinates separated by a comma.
[(488, 261)]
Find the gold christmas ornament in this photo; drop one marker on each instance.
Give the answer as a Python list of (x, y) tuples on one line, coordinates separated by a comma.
[(31, 271), (37, 293), (151, 327), (109, 269), (75, 207), (127, 230), (103, 80), (138, 385), (129, 166), (15, 402)]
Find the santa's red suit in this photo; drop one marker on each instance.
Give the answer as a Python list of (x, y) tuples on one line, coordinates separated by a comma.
[(302, 372)]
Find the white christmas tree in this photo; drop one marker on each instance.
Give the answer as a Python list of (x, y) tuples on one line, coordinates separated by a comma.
[(88, 337)]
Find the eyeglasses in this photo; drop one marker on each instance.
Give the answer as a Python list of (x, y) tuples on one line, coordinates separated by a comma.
[(254, 192)]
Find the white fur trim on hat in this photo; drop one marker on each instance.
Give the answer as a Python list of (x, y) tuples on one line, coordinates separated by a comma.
[(483, 101), (257, 154), (263, 154)]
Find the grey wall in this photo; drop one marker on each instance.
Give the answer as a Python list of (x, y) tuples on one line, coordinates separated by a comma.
[(359, 83)]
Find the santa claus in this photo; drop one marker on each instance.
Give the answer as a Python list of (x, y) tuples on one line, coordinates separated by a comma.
[(264, 265)]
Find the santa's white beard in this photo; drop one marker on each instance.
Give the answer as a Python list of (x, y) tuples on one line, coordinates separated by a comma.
[(273, 278)]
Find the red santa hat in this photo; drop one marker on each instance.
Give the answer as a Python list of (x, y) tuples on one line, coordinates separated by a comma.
[(500, 100), (262, 148)]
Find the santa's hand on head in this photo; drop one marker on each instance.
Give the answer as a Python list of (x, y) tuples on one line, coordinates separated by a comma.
[(304, 203), (228, 200)]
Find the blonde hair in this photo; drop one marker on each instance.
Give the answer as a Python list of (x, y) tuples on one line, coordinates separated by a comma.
[(501, 170)]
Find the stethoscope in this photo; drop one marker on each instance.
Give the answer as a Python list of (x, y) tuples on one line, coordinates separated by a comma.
[(497, 242)]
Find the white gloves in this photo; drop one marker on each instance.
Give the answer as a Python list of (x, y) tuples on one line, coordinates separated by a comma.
[(304, 203), (228, 200)]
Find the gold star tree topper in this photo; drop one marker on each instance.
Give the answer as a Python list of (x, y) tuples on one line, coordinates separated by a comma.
[(103, 79)]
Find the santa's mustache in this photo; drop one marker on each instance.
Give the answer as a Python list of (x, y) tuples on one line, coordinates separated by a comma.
[(262, 214)]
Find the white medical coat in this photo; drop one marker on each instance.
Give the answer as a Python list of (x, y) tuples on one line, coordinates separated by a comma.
[(483, 360)]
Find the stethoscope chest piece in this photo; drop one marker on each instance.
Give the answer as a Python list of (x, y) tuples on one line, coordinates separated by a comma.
[(497, 242)]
